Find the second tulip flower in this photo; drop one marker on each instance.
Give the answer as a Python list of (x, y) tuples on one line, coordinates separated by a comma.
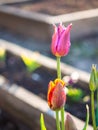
[(56, 94)]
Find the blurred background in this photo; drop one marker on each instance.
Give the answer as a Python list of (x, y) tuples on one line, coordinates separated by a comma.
[(29, 24)]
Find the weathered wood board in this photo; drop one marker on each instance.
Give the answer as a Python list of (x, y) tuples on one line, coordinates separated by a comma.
[(26, 106)]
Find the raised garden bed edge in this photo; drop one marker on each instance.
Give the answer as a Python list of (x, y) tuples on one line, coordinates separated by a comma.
[(13, 101), (39, 26)]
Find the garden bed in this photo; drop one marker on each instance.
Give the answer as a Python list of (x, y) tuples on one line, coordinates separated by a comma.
[(30, 21), (11, 1), (57, 8), (36, 81), (7, 122)]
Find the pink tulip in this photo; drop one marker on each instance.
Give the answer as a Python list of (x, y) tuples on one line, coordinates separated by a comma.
[(60, 45)]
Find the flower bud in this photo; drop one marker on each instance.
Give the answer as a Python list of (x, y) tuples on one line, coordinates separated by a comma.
[(93, 78), (69, 123), (60, 45), (56, 96)]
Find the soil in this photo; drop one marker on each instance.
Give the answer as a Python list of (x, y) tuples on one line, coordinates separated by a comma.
[(53, 7), (7, 122), (14, 69)]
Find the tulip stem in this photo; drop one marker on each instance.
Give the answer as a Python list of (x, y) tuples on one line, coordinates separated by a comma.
[(97, 108), (58, 68), (62, 118), (59, 76), (93, 111), (57, 120)]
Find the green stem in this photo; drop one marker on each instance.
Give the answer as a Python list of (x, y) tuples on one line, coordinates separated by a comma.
[(62, 118), (57, 120), (58, 68), (87, 118), (97, 109), (59, 76), (93, 110)]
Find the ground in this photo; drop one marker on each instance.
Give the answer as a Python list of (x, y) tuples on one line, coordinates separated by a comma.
[(53, 7)]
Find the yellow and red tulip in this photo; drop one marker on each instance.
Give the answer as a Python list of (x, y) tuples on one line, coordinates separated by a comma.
[(56, 96)]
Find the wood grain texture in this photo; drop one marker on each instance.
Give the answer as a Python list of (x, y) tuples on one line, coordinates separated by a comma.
[(26, 106)]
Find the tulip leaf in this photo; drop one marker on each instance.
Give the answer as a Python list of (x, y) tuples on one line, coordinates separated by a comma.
[(30, 63), (75, 94), (2, 54), (96, 114), (42, 124), (97, 100), (87, 118)]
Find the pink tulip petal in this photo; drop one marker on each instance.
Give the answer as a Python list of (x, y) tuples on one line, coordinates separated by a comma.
[(60, 29), (54, 40), (58, 97), (64, 42), (60, 45)]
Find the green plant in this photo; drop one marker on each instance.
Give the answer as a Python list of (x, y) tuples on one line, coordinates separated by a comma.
[(56, 96), (75, 94), (93, 85), (2, 54), (30, 63)]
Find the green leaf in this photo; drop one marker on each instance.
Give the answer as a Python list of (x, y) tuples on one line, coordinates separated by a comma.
[(42, 124), (30, 63), (2, 54), (75, 94), (87, 118), (96, 116)]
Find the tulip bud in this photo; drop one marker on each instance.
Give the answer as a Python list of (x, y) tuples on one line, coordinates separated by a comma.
[(60, 45), (56, 96), (93, 79), (69, 124)]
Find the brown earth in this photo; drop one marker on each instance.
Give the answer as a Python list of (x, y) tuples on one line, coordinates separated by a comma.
[(37, 81), (55, 7)]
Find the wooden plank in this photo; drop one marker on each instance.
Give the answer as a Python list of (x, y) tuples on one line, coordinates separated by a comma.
[(24, 105), (47, 62), (26, 96), (12, 1), (42, 23), (27, 107)]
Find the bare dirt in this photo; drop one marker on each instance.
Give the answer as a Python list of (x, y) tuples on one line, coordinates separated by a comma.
[(37, 81), (55, 7)]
